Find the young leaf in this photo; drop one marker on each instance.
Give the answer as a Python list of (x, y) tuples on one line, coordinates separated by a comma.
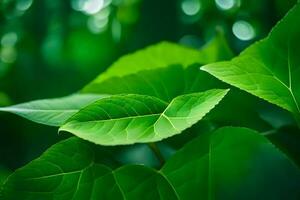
[(231, 163), (127, 119), (270, 68), (52, 112), (164, 54)]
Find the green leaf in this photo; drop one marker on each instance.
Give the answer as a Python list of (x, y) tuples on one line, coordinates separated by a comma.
[(287, 139), (164, 54), (4, 99), (127, 119), (4, 173), (138, 182), (270, 68), (52, 112), (161, 83), (247, 115), (74, 169), (231, 163)]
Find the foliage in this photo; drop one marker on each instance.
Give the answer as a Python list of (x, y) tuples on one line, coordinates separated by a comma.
[(190, 120), (75, 169)]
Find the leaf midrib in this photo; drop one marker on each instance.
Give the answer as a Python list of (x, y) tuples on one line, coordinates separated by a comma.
[(278, 79), (11, 109)]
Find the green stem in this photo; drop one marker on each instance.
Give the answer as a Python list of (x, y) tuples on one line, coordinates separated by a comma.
[(297, 118), (157, 153), (270, 132)]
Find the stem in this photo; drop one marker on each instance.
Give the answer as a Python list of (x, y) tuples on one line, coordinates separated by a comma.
[(270, 132), (297, 118), (157, 153)]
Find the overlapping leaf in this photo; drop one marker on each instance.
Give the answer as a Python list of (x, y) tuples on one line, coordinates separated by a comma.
[(269, 69), (52, 112), (127, 119), (164, 83), (231, 163), (165, 54)]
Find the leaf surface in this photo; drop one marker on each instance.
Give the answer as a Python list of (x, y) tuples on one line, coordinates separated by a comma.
[(164, 83), (72, 170), (269, 69), (52, 112), (165, 54), (127, 119), (231, 163)]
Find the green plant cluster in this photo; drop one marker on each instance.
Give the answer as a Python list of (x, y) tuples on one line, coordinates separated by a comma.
[(197, 110)]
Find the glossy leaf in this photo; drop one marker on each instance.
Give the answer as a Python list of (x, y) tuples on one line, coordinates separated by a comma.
[(52, 112), (164, 54), (127, 119), (160, 83), (269, 69), (231, 163)]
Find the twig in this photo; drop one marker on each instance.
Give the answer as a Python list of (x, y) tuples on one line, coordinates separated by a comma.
[(157, 153)]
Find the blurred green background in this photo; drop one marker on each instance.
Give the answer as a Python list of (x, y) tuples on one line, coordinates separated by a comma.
[(51, 48)]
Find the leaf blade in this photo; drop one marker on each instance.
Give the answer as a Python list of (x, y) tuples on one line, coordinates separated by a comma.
[(127, 119), (52, 112), (243, 165), (269, 68), (162, 55), (232, 163)]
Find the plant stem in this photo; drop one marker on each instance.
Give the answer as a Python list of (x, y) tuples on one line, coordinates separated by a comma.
[(157, 153), (270, 132), (297, 118)]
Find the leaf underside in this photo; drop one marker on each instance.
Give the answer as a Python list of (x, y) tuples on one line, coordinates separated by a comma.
[(52, 112)]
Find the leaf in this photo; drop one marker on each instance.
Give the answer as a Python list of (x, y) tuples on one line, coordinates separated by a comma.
[(72, 170), (287, 139), (269, 69), (127, 119), (158, 83), (4, 99), (4, 173), (247, 115), (52, 112), (231, 163), (165, 54), (161, 83)]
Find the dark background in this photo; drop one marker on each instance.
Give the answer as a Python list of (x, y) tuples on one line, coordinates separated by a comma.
[(51, 48)]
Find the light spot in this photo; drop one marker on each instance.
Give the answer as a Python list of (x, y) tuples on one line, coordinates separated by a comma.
[(23, 5), (98, 23), (8, 54), (243, 30), (227, 4), (9, 39), (88, 6), (191, 41), (190, 7)]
